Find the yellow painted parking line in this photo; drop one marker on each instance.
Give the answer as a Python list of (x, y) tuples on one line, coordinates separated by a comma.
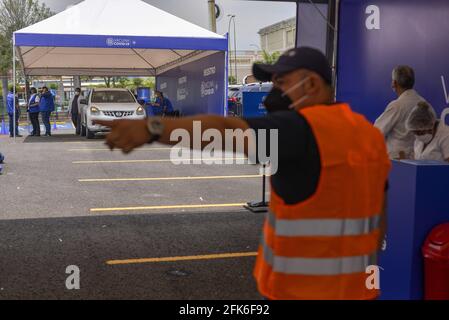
[(173, 178), (183, 258), (184, 206), (140, 149), (152, 160)]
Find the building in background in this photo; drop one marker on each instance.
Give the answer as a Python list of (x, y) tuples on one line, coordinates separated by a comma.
[(245, 60), (278, 37)]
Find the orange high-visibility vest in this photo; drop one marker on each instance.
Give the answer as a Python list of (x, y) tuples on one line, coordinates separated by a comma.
[(320, 248)]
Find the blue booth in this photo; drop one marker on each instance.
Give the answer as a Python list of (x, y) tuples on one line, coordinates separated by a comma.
[(253, 104), (417, 201), (253, 97)]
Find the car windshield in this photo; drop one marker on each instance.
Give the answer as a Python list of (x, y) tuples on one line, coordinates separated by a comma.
[(112, 97)]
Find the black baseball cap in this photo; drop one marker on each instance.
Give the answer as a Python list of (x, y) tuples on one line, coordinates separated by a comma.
[(294, 59)]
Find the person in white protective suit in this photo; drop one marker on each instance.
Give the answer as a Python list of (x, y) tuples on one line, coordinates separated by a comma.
[(431, 135), (392, 122)]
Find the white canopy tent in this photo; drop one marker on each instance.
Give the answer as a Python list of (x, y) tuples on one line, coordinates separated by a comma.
[(112, 38)]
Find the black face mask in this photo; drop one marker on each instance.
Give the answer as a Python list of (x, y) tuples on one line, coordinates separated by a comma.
[(276, 102)]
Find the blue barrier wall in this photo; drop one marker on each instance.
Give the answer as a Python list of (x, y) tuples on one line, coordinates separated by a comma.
[(196, 87), (373, 40), (417, 202), (253, 104)]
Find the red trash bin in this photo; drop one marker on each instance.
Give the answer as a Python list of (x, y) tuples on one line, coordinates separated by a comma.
[(436, 263)]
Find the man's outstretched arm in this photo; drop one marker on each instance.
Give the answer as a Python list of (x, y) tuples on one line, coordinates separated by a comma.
[(130, 134)]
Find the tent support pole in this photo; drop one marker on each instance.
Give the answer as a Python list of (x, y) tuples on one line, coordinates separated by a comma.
[(335, 44), (226, 80), (180, 56), (14, 83)]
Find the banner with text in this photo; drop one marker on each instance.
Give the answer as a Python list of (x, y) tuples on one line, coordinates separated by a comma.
[(196, 87)]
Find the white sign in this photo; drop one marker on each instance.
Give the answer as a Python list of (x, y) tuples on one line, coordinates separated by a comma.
[(208, 88), (181, 94), (119, 42), (182, 80), (209, 71)]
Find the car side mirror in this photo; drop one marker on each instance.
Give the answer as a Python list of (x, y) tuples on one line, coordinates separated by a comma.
[(83, 101)]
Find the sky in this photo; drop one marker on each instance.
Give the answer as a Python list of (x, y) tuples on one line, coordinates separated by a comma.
[(251, 16)]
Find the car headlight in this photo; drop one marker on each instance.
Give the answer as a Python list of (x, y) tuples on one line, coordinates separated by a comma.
[(140, 111), (94, 110)]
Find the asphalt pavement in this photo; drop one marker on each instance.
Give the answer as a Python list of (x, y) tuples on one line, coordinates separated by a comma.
[(136, 226)]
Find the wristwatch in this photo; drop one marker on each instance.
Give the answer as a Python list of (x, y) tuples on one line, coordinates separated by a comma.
[(156, 128)]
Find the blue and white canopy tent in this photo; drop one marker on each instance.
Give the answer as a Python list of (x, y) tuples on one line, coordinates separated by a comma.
[(115, 38)]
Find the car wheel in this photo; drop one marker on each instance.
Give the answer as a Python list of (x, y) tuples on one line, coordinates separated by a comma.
[(90, 134)]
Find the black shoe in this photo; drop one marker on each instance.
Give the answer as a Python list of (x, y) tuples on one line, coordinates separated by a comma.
[(47, 135), (19, 136), (37, 135)]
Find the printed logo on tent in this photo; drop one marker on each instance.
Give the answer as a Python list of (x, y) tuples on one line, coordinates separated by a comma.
[(163, 85), (182, 94), (209, 71), (182, 80), (208, 88), (119, 42)]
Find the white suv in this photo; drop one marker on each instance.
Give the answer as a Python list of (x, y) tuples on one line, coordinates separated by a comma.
[(107, 104)]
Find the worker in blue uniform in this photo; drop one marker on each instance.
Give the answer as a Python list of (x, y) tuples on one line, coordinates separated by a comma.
[(13, 116), (46, 107), (33, 110), (163, 103)]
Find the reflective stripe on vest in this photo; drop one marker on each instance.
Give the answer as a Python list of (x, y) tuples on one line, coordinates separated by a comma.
[(322, 227), (317, 266)]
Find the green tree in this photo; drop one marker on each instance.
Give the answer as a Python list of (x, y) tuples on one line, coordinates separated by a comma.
[(122, 82), (269, 58), (232, 80), (149, 83), (108, 81), (16, 15), (137, 82)]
